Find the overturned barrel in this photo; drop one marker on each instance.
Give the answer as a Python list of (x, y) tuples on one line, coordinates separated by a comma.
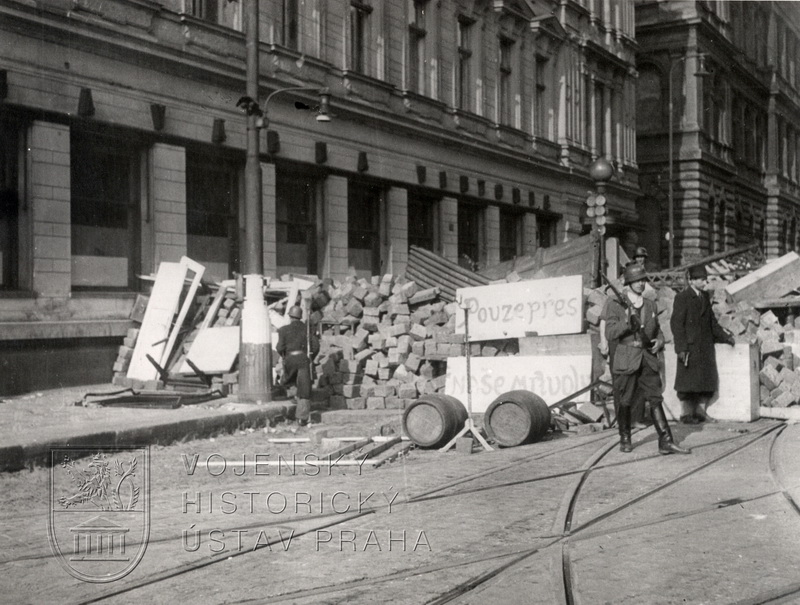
[(516, 418), (433, 420)]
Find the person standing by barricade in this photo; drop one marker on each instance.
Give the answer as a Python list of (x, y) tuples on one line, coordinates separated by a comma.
[(635, 338), (695, 330), (298, 348)]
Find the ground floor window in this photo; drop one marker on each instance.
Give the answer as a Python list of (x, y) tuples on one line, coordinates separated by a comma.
[(422, 213), (470, 235), (212, 202), (296, 223), (104, 211), (364, 202), (9, 205), (510, 234)]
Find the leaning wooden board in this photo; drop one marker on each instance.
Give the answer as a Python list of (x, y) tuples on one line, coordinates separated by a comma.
[(775, 279), (213, 350), (161, 308)]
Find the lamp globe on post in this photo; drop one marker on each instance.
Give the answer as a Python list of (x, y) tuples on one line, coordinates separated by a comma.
[(600, 171)]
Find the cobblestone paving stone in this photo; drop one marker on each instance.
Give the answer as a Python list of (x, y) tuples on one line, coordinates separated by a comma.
[(675, 546)]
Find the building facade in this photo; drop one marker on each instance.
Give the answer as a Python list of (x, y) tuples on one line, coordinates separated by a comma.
[(734, 72), (462, 126)]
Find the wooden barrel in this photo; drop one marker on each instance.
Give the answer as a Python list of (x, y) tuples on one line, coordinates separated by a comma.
[(433, 420), (516, 418)]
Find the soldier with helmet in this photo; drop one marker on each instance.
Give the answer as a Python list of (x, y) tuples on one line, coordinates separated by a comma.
[(640, 255), (298, 348), (635, 339)]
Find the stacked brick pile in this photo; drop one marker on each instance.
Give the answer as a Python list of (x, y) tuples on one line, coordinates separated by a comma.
[(383, 341)]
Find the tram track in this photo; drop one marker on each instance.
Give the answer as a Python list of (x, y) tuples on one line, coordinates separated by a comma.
[(510, 558)]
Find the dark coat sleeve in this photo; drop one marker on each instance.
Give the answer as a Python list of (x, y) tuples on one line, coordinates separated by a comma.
[(678, 323)]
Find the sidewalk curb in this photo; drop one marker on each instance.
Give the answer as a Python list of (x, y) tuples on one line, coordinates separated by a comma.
[(19, 457)]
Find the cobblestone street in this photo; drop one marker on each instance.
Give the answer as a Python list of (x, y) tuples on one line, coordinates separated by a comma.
[(567, 520)]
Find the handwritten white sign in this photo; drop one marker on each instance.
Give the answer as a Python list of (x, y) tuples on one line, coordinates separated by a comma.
[(551, 377), (542, 306)]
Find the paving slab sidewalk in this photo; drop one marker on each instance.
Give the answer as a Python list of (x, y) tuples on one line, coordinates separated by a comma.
[(32, 424)]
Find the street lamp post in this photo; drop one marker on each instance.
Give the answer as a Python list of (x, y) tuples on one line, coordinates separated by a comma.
[(670, 196), (255, 347), (600, 172)]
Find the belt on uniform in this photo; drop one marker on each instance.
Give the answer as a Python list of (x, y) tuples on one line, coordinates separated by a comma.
[(634, 343), (295, 353)]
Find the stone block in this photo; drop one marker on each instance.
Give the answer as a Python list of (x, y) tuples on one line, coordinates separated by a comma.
[(593, 315), (376, 403), (424, 296), (784, 400), (769, 377), (771, 347), (351, 390), (394, 403), (384, 391), (413, 362), (337, 402), (356, 403)]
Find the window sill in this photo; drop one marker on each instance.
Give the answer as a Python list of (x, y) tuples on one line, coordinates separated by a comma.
[(17, 294), (121, 294)]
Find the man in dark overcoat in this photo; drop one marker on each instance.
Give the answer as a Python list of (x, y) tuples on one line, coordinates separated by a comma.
[(634, 339), (297, 350), (695, 330)]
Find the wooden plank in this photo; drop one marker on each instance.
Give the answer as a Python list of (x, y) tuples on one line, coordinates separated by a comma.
[(187, 303), (392, 455), (565, 344), (377, 448), (215, 305), (777, 303), (157, 320), (343, 451), (214, 350), (792, 413), (773, 280)]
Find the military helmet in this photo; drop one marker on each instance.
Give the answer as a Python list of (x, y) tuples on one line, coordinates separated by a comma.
[(640, 251), (296, 312), (634, 272)]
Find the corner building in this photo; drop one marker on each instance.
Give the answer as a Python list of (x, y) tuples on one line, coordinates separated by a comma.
[(734, 72), (465, 127)]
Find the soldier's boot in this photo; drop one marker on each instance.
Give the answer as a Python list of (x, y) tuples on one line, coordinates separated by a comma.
[(303, 411), (624, 425), (666, 445)]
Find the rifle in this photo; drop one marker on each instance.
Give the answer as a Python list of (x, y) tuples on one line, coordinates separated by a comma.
[(625, 302)]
